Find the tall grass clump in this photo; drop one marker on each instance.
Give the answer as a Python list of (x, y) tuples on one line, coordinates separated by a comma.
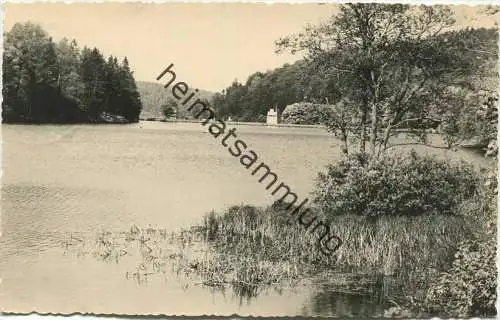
[(387, 245), (396, 246), (265, 233), (253, 248)]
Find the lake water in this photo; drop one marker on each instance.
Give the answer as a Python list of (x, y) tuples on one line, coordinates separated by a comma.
[(79, 179)]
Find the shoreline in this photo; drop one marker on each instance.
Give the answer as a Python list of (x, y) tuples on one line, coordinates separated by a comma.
[(257, 124)]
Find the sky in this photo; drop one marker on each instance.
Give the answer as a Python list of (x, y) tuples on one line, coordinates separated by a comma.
[(210, 45)]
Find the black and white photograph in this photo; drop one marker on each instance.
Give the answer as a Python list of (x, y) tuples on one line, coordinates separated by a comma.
[(249, 159)]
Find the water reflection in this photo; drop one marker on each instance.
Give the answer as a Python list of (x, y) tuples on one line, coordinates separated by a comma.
[(362, 296), (333, 303)]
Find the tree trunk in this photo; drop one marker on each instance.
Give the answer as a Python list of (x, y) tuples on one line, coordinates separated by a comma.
[(387, 135), (362, 138), (373, 134), (374, 115), (343, 137)]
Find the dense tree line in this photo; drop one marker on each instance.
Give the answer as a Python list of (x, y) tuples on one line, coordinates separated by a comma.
[(45, 81), (250, 101), (302, 81)]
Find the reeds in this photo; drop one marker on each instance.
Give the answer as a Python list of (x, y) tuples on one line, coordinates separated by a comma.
[(386, 245)]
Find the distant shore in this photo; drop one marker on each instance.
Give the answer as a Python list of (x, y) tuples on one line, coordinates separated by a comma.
[(236, 123)]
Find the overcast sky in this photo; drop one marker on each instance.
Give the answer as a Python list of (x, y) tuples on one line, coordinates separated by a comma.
[(209, 44)]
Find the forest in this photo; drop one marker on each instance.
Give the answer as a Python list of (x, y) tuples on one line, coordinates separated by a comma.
[(48, 82)]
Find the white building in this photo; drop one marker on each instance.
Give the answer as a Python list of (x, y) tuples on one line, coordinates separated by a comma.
[(272, 117)]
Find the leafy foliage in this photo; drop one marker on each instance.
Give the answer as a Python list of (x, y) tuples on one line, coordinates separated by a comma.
[(48, 82), (303, 113), (469, 287), (486, 126), (394, 185)]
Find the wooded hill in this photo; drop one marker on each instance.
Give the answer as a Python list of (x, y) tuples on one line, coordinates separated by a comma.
[(154, 95)]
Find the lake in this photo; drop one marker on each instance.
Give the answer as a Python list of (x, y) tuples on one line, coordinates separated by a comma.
[(60, 180)]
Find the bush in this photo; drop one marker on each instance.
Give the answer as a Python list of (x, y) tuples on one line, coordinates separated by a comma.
[(394, 185), (303, 113)]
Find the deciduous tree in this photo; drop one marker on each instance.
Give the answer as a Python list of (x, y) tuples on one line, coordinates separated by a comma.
[(392, 63)]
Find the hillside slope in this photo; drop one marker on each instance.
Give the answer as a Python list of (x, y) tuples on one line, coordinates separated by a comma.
[(153, 95)]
